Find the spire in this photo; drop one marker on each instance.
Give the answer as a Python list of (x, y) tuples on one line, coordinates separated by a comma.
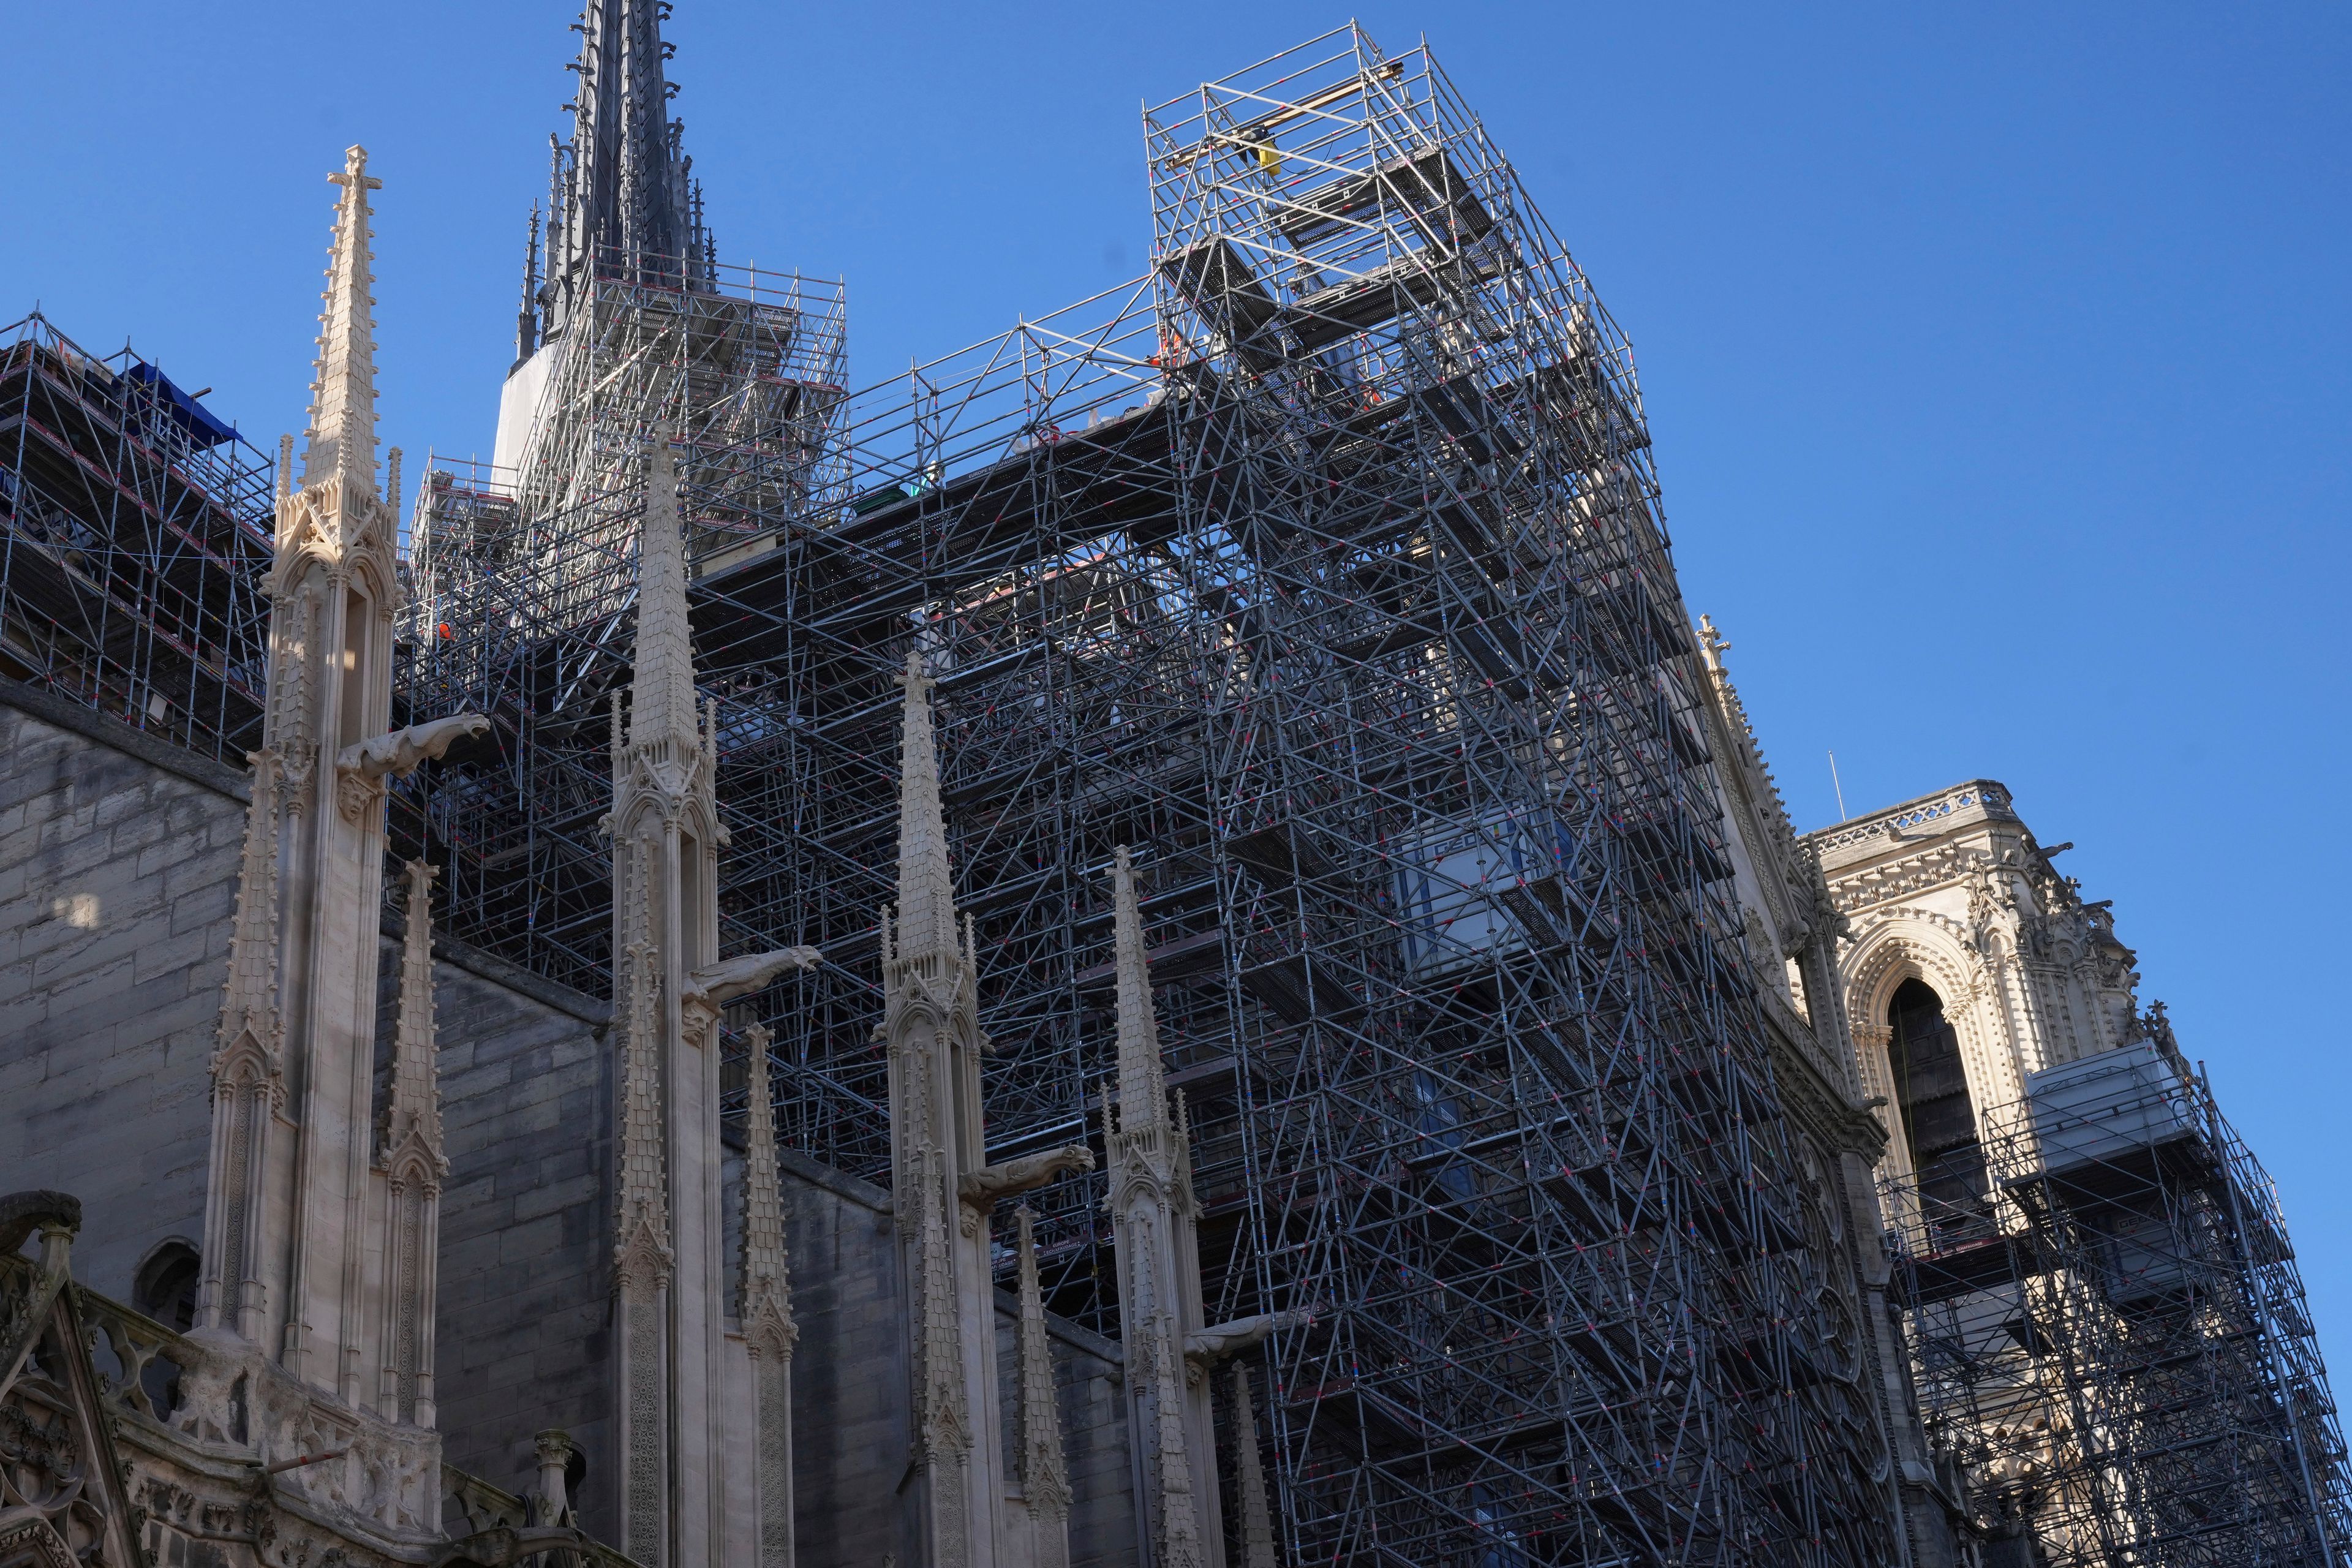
[(765, 1305), (927, 918), (662, 696), (1257, 1525), (343, 400), (1044, 1472), (625, 198), (1142, 1086), (414, 1114), (249, 1003), (527, 315)]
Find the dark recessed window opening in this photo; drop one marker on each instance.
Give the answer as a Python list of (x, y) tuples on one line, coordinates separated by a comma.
[(1931, 1089)]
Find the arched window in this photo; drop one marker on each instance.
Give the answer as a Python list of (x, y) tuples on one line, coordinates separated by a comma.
[(166, 1288), (1931, 1089)]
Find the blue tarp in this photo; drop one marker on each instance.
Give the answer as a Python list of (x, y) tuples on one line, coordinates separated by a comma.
[(200, 428)]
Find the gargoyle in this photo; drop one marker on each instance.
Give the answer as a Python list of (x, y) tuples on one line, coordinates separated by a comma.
[(730, 978), (1204, 1348), (979, 1189), (396, 756)]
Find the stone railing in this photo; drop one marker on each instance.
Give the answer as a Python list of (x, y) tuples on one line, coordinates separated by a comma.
[(146, 1371), (1918, 814), (499, 1524), (139, 1361)]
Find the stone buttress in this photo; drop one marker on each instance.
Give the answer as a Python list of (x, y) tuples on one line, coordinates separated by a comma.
[(321, 1221), (676, 1358), (1170, 1353), (944, 1189)]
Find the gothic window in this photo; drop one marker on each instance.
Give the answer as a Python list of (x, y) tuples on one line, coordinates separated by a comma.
[(166, 1287), (1931, 1088)]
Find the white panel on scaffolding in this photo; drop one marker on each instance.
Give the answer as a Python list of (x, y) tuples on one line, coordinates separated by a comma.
[(519, 402), (1451, 888), (2107, 1105)]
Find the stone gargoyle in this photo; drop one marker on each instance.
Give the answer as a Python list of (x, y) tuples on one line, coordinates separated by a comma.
[(730, 978), (1204, 1348), (979, 1189), (361, 767), (398, 754)]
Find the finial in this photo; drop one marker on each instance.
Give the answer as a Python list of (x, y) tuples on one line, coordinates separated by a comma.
[(285, 466), (392, 481), (1713, 643)]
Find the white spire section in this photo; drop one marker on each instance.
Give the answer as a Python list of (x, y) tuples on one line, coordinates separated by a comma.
[(926, 926), (764, 1308), (248, 1078), (342, 399), (321, 1217), (1045, 1471), (1257, 1524), (662, 696), (689, 1457), (1171, 1419), (930, 1023), (643, 1265), (1152, 1216), (413, 1118), (414, 1165), (642, 1240)]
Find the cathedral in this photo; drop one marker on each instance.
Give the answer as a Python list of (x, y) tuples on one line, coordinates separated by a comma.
[(1160, 944)]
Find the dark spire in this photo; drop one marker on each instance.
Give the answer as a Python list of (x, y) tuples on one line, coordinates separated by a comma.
[(526, 318), (623, 180)]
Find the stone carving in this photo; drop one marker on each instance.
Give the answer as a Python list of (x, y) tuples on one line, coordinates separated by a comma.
[(764, 1304), (981, 1189), (414, 1165), (1249, 1476), (1045, 1471), (361, 767), (730, 978), (931, 1022), (248, 1078), (1204, 1348), (1152, 1216), (64, 1498)]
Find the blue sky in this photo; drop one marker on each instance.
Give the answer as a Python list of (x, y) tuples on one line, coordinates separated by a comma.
[(1997, 355)]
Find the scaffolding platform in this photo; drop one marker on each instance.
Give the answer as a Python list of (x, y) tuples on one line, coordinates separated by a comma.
[(135, 528)]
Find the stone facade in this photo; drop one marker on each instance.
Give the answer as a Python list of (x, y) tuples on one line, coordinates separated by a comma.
[(1953, 889)]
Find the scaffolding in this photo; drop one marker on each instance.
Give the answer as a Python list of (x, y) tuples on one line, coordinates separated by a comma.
[(2111, 1345), (525, 580), (1323, 565), (134, 530)]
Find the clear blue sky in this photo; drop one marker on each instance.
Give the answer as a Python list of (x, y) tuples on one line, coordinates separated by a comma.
[(1997, 354)]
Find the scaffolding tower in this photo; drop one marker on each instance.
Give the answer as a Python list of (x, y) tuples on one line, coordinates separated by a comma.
[(1323, 567), (2112, 1346), (135, 528)]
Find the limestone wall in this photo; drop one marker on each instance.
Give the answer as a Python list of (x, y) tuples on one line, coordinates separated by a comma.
[(118, 878)]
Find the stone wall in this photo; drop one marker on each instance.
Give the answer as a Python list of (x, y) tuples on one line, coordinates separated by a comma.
[(118, 878)]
